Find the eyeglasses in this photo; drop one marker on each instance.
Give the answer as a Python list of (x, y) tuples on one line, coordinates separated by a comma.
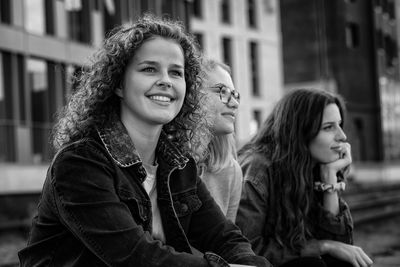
[(225, 93)]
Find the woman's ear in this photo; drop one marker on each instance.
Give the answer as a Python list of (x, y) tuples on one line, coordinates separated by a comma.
[(118, 92)]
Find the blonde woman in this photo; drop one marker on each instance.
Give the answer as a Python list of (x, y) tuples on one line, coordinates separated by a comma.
[(217, 165)]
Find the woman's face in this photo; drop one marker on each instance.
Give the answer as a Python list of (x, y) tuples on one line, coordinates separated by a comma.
[(220, 116), (326, 146), (154, 84)]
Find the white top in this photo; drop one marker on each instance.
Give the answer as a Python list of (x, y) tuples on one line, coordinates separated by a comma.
[(150, 186), (225, 187)]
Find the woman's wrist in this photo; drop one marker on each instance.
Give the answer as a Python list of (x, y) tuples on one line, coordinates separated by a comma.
[(328, 175), (329, 188), (323, 246)]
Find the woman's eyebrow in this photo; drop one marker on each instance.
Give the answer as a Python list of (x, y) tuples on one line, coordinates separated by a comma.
[(331, 122), (147, 62)]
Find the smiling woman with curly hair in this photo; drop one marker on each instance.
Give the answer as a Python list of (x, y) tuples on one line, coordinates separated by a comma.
[(94, 98), (122, 189)]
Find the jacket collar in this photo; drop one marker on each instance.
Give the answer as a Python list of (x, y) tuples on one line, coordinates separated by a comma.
[(120, 147)]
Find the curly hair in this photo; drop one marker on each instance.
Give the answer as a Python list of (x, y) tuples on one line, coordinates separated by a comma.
[(216, 151), (94, 98), (283, 139)]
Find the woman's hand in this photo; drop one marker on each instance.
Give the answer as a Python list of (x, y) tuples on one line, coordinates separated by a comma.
[(345, 252), (329, 170)]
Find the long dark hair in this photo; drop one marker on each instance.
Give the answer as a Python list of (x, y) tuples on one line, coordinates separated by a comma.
[(283, 139), (94, 98)]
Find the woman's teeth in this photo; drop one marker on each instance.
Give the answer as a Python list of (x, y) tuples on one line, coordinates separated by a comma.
[(160, 98)]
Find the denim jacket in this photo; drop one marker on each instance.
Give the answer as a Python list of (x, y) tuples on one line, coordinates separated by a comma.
[(257, 224), (94, 210)]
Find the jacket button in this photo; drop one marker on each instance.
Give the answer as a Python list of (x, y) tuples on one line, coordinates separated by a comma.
[(184, 207)]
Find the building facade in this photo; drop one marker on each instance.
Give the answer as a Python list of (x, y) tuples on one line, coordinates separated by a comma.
[(245, 35), (350, 47)]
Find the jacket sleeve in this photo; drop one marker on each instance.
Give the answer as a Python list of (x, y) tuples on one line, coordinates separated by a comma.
[(223, 236), (339, 227), (89, 207)]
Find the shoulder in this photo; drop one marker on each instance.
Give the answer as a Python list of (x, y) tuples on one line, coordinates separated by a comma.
[(82, 150), (255, 167)]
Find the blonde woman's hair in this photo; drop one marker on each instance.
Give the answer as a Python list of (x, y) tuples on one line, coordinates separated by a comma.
[(220, 152), (222, 148)]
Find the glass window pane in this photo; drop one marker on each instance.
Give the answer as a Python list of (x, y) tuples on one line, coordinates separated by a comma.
[(254, 68), (35, 16), (227, 51), (7, 124), (1, 88), (5, 11), (40, 104), (79, 19), (197, 8), (225, 11), (37, 72), (251, 11)]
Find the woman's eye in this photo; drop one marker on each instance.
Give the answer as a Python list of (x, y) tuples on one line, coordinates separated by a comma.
[(328, 127), (149, 69), (177, 73)]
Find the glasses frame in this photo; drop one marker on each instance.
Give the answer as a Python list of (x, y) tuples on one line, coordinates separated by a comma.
[(232, 93)]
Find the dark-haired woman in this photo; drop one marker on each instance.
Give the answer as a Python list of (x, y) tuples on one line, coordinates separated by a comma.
[(294, 170)]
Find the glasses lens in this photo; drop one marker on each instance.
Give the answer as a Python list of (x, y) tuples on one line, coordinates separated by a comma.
[(236, 95), (225, 94)]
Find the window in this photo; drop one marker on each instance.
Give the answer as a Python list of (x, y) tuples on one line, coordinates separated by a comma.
[(225, 11), (255, 122), (6, 110), (21, 88), (352, 35), (37, 73), (79, 20), (39, 17), (360, 143), (167, 8), (197, 9), (379, 38), (111, 17), (2, 97), (254, 68), (269, 6), (200, 41), (390, 47), (251, 13), (35, 16), (40, 108), (227, 51), (5, 11), (3, 122), (49, 17), (7, 123)]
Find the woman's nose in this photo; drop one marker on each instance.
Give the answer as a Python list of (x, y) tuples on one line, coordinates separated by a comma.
[(233, 103), (341, 136), (164, 80)]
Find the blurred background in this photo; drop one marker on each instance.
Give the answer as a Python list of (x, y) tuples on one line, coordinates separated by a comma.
[(346, 46)]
